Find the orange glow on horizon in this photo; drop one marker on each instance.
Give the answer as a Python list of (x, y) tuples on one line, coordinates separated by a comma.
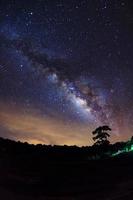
[(31, 127)]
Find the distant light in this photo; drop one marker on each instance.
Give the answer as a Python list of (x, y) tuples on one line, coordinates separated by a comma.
[(131, 147)]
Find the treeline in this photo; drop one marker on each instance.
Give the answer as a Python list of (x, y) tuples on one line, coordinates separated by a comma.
[(57, 152)]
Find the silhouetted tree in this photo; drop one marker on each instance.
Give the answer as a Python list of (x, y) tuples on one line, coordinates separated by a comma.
[(132, 139), (102, 135)]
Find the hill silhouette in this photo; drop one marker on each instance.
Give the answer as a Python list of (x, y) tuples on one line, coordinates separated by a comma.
[(64, 172)]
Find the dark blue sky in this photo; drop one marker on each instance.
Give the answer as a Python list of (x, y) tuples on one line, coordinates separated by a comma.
[(67, 65)]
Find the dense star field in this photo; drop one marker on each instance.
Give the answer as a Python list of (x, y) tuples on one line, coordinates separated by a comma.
[(66, 67)]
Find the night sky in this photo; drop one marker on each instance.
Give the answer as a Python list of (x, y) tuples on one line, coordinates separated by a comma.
[(66, 67)]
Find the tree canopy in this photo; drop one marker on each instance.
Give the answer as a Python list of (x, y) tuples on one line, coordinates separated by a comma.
[(101, 135)]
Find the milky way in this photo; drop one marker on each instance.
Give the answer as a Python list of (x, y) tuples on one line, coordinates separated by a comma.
[(65, 68)]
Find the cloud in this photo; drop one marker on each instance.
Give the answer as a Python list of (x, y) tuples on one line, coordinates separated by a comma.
[(33, 128)]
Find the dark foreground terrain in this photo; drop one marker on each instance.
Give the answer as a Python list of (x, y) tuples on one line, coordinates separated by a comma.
[(29, 172)]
